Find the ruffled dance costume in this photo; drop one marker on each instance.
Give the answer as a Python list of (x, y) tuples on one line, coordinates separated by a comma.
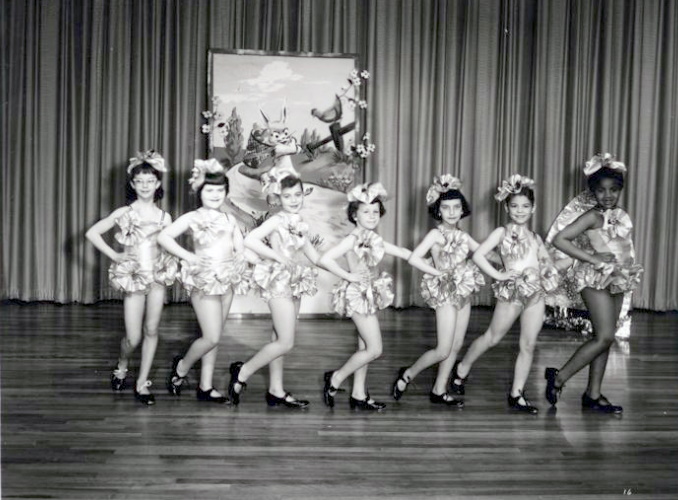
[(461, 277), (276, 280), (366, 297), (212, 231), (145, 262), (614, 237), (521, 248)]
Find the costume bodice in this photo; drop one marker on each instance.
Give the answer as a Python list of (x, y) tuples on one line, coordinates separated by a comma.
[(453, 251), (212, 232), (614, 236), (139, 236), (520, 248), (367, 251), (292, 234)]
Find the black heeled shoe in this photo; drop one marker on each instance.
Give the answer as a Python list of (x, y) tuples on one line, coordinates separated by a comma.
[(328, 390), (454, 387), (118, 383), (235, 379), (397, 393), (207, 396), (367, 404), (445, 399), (287, 400), (175, 382), (514, 403), (552, 392), (146, 399), (602, 405)]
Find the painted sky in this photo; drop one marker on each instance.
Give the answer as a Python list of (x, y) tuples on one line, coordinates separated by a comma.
[(249, 82)]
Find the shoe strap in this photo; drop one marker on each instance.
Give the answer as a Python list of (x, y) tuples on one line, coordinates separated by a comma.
[(121, 374), (147, 383)]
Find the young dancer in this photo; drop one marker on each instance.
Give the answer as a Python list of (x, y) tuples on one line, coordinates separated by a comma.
[(602, 274), (282, 280), (142, 270), (211, 274), (450, 293), (528, 272), (360, 299)]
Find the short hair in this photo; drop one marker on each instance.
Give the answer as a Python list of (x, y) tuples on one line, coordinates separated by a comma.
[(528, 192), (595, 178), (354, 205), (143, 168), (290, 181), (212, 179), (452, 194)]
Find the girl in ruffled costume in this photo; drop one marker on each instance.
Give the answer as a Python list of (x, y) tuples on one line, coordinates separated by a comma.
[(364, 290), (142, 270), (450, 293), (602, 274), (528, 273), (282, 279), (211, 274)]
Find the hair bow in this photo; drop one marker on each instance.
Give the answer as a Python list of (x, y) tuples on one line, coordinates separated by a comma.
[(367, 193), (200, 169), (512, 186), (601, 160), (441, 185), (152, 157), (271, 180)]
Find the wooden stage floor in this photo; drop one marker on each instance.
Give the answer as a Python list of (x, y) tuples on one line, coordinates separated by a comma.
[(66, 435)]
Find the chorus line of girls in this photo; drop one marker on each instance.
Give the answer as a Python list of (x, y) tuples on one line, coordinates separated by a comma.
[(272, 260)]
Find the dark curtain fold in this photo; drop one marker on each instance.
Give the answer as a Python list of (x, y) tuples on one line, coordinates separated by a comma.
[(478, 88)]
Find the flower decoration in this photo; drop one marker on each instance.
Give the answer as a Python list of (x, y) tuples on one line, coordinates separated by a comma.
[(151, 157), (456, 244), (616, 224), (601, 160), (441, 185), (512, 186), (369, 248), (367, 193), (207, 227), (516, 243), (200, 169), (216, 121), (130, 228)]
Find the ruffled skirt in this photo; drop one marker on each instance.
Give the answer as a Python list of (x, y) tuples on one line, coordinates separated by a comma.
[(530, 282), (454, 287), (274, 280), (129, 276), (617, 278), (230, 275), (364, 297)]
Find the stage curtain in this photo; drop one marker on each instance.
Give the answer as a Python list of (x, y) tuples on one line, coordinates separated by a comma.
[(478, 88)]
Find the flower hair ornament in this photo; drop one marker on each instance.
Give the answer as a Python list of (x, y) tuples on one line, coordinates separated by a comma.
[(367, 193), (152, 157), (513, 185), (441, 185), (601, 160), (200, 169)]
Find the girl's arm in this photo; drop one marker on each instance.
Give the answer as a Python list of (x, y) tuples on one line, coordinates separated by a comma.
[(563, 240), (411, 259), (479, 256), (167, 238), (94, 233), (328, 260), (255, 241), (492, 256), (311, 253)]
